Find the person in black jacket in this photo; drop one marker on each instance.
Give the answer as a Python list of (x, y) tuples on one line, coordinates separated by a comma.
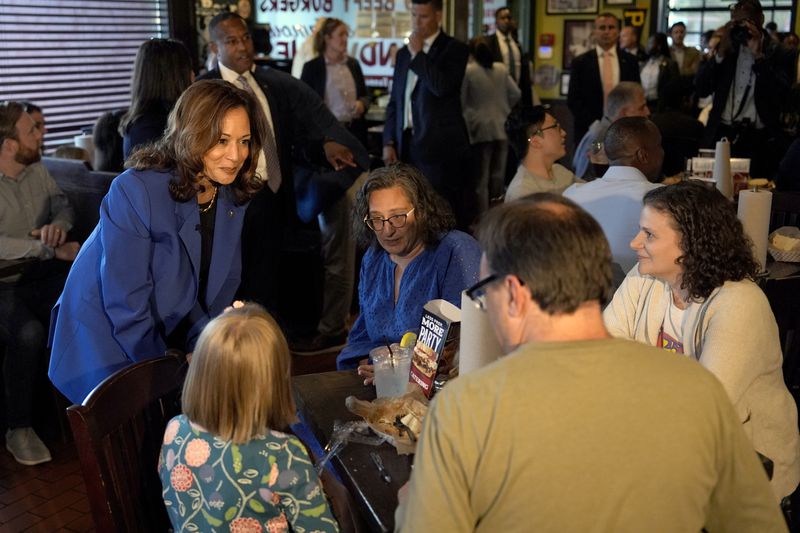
[(589, 84), (298, 119), (345, 93), (161, 72), (750, 77), (424, 123), (507, 50)]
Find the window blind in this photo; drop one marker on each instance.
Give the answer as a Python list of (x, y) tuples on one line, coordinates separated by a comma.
[(74, 58)]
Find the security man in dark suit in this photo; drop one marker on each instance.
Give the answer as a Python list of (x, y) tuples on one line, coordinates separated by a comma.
[(596, 72), (298, 120), (424, 124), (506, 50)]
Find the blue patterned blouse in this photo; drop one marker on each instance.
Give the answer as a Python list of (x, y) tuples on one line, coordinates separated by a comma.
[(440, 271), (265, 485)]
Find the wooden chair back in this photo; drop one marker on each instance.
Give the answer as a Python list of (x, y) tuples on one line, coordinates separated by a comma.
[(118, 432)]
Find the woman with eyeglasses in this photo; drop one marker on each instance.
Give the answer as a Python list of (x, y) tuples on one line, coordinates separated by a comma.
[(414, 255), (539, 141)]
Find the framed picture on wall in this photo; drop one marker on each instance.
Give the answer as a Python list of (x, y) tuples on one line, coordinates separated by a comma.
[(578, 38), (619, 2), (571, 7)]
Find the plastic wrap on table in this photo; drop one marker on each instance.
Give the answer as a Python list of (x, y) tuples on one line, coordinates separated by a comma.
[(399, 420)]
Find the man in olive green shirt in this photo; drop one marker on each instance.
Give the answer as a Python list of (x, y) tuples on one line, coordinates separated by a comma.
[(574, 430)]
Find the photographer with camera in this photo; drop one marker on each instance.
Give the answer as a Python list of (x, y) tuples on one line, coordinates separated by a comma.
[(749, 76)]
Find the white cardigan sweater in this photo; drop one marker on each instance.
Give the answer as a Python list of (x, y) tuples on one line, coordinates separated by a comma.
[(733, 334)]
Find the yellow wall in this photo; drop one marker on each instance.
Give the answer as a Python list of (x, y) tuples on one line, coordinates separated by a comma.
[(555, 24)]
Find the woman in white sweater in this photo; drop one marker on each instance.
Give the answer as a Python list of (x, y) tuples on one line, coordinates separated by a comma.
[(692, 292)]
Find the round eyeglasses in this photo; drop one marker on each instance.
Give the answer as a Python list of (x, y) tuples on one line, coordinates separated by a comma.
[(395, 221)]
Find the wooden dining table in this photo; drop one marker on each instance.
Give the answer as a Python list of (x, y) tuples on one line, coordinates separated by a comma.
[(320, 401)]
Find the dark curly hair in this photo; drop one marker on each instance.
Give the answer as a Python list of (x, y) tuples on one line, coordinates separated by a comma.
[(714, 245), (432, 212), (193, 128)]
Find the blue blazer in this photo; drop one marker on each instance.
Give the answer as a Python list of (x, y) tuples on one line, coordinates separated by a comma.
[(136, 277)]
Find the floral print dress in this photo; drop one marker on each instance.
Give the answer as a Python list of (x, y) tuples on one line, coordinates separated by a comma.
[(267, 484)]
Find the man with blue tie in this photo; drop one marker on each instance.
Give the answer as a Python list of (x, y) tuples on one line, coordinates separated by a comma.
[(424, 124)]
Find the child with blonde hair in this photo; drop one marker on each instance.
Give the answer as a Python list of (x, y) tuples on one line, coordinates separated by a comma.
[(226, 461)]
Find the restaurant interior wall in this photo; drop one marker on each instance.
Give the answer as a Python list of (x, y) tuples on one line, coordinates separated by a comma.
[(658, 14), (702, 15), (74, 57), (549, 71)]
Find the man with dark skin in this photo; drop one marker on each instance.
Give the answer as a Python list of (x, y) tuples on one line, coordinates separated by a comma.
[(302, 127), (505, 48)]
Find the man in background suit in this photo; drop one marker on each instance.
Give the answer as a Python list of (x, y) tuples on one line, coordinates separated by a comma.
[(424, 123), (506, 50), (298, 120), (596, 72)]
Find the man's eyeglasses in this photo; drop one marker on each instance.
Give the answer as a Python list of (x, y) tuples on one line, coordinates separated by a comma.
[(395, 221), (477, 293), (542, 130)]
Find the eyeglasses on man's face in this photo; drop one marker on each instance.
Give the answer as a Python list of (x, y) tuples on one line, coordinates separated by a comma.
[(477, 293), (541, 131), (555, 125), (395, 221)]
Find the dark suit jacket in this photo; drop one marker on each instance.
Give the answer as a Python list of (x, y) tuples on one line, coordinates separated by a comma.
[(585, 98), (669, 86), (300, 120), (524, 74), (773, 76), (315, 75), (439, 127)]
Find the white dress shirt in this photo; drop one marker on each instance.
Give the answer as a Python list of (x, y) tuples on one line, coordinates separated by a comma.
[(232, 77), (513, 50), (615, 201)]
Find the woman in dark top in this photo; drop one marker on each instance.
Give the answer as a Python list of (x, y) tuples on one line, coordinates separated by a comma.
[(338, 79), (162, 71), (660, 74)]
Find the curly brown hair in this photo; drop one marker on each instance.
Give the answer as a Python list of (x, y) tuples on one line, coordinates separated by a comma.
[(714, 245), (193, 128), (432, 212)]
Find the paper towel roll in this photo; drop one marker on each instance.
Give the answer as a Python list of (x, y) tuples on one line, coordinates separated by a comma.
[(754, 212), (722, 168), (478, 347)]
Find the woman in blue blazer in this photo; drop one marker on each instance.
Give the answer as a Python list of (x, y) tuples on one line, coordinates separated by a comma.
[(165, 257)]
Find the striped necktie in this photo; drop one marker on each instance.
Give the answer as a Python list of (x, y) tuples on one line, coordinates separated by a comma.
[(269, 167)]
